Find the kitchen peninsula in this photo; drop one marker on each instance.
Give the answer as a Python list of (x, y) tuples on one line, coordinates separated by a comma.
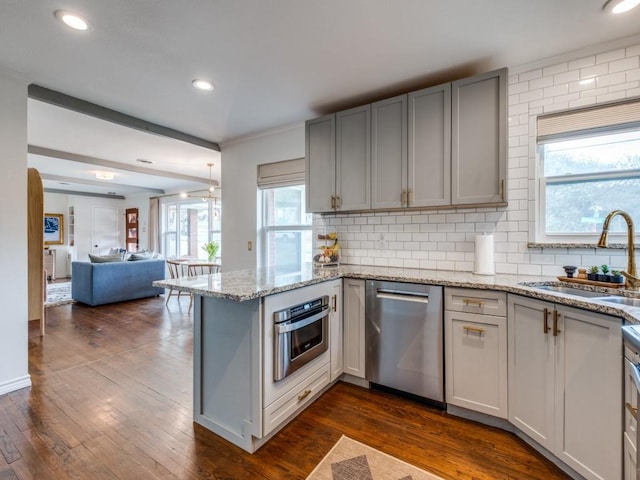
[(235, 394)]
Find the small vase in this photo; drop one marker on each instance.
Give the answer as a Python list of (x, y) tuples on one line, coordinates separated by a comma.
[(212, 258)]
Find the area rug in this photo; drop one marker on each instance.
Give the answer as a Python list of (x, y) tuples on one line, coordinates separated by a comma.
[(58, 294), (352, 460)]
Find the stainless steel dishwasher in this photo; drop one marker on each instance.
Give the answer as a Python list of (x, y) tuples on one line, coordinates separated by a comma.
[(404, 344)]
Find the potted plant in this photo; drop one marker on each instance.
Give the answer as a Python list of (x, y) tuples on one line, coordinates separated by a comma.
[(593, 273), (616, 276), (212, 249), (604, 276)]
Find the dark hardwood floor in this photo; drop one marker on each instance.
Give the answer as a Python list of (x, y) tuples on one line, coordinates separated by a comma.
[(111, 399)]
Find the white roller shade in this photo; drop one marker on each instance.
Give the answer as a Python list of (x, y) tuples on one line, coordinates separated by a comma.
[(589, 120), (281, 174)]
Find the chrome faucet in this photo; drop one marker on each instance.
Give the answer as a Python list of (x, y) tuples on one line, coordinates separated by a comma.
[(632, 280)]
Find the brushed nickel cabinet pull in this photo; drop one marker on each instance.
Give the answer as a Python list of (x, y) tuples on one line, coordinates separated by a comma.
[(479, 331), (545, 326), (333, 201), (304, 395), (502, 189), (474, 301), (334, 303), (556, 331), (632, 410)]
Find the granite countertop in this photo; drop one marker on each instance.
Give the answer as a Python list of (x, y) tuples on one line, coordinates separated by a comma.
[(243, 285)]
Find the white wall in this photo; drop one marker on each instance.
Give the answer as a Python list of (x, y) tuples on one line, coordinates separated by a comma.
[(240, 160), (13, 218)]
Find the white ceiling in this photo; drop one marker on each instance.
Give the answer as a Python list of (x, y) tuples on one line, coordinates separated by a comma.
[(273, 62)]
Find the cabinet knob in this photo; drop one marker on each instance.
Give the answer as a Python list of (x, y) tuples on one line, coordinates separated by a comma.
[(545, 326)]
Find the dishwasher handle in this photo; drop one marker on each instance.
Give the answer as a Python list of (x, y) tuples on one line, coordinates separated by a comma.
[(403, 296)]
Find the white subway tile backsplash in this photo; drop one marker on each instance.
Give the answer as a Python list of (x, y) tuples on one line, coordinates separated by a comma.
[(445, 239)]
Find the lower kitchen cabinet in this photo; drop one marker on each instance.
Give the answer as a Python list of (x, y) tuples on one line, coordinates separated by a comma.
[(353, 319), (476, 350), (335, 328), (565, 391)]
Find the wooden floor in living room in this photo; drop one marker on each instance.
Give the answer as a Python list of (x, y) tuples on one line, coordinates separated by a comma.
[(111, 399)]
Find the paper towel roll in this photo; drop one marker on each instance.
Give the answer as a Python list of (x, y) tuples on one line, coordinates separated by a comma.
[(484, 263)]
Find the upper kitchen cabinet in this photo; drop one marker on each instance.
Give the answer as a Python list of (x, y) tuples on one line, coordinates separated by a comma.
[(320, 149), (478, 147), (429, 161), (338, 161), (353, 159), (389, 153)]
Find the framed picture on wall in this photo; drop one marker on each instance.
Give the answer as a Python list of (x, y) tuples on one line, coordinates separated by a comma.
[(53, 229)]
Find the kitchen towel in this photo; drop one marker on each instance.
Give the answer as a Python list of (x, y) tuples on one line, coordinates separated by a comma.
[(484, 263)]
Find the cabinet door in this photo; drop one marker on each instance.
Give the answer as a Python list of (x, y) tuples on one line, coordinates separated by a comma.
[(336, 330), (476, 362), (479, 124), (531, 363), (589, 415), (389, 153), (320, 174), (353, 159), (354, 351), (429, 164)]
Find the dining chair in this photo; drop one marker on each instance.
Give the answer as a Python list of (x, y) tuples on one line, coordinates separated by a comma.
[(176, 270), (204, 268)]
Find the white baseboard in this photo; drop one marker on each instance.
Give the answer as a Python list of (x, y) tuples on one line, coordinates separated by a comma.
[(15, 384)]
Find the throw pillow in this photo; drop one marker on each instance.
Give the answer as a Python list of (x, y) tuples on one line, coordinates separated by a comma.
[(142, 255), (105, 258)]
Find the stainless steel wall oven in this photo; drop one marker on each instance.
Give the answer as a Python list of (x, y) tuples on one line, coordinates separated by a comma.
[(301, 333)]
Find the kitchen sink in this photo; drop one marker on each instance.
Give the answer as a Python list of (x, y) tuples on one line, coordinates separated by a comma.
[(571, 291), (633, 302)]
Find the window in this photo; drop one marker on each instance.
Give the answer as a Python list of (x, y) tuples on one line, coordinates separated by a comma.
[(585, 174), (286, 229), (189, 224)]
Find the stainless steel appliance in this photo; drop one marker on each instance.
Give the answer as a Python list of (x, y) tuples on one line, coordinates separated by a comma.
[(404, 338), (631, 336), (301, 333)]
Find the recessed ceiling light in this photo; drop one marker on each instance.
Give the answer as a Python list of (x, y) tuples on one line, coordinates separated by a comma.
[(620, 6), (73, 20), (104, 175), (144, 160), (202, 84)]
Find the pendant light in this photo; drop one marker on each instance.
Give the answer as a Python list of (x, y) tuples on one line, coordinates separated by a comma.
[(209, 196)]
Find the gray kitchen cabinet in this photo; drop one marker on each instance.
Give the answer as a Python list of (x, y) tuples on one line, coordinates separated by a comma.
[(429, 158), (479, 144), (338, 161), (353, 159), (354, 322), (320, 171), (389, 153), (565, 389), (475, 332)]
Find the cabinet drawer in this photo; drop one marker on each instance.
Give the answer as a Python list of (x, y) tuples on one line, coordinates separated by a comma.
[(296, 399), (475, 301)]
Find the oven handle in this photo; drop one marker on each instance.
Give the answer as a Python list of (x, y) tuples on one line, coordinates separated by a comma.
[(292, 325), (403, 296)]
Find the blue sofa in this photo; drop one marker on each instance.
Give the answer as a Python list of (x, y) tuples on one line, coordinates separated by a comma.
[(100, 283)]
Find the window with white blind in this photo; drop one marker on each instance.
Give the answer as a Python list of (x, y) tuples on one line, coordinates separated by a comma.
[(589, 166), (285, 239)]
